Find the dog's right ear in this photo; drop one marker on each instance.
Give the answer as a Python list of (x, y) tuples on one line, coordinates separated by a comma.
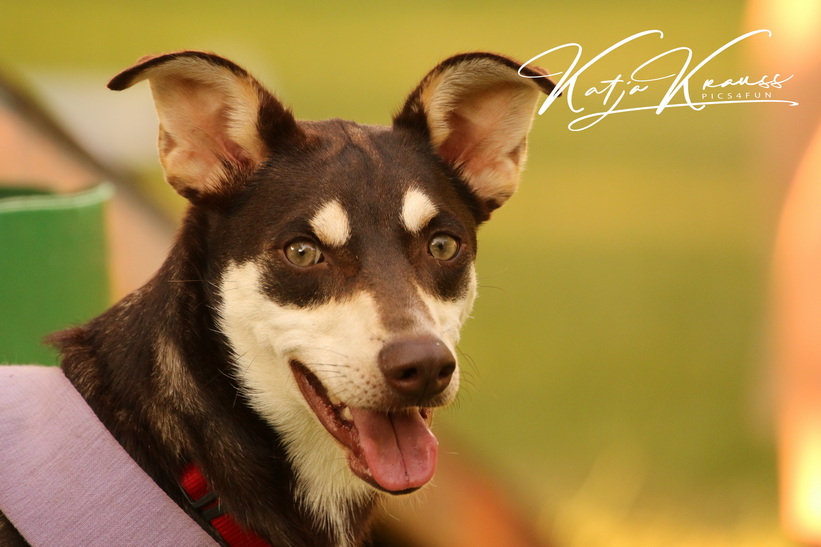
[(217, 123)]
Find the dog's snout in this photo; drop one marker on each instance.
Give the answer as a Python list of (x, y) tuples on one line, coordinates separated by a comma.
[(417, 368)]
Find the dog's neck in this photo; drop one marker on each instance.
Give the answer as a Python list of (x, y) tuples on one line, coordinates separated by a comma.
[(172, 399)]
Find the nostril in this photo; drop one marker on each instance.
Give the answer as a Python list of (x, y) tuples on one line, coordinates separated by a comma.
[(447, 371), (408, 374)]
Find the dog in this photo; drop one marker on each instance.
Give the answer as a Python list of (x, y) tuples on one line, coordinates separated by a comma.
[(297, 339)]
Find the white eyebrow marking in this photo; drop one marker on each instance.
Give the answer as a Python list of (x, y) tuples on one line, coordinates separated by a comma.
[(331, 225), (417, 210)]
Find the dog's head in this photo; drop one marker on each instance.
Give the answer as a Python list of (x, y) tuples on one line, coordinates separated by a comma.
[(343, 254)]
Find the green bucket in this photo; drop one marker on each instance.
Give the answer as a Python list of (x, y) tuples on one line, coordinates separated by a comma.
[(53, 267)]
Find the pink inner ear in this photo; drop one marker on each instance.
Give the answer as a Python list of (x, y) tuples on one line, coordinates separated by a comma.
[(460, 141), (473, 143), (200, 118), (195, 143), (485, 122), (483, 133)]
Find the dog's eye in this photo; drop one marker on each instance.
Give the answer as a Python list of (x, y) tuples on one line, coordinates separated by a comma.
[(443, 246), (303, 253)]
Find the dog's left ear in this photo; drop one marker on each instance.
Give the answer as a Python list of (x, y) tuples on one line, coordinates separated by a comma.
[(476, 110), (217, 123)]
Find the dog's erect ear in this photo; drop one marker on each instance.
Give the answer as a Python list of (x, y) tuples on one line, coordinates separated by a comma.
[(477, 110), (217, 122)]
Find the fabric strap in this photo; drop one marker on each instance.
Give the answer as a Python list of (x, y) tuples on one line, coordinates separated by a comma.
[(64, 480), (204, 501)]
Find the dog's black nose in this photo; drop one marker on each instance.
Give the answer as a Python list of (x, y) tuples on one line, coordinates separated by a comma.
[(417, 368)]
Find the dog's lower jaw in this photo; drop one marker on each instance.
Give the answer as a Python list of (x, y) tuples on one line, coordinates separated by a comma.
[(325, 487), (394, 451), (329, 486)]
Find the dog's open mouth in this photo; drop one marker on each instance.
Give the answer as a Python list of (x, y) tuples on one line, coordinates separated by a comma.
[(393, 451)]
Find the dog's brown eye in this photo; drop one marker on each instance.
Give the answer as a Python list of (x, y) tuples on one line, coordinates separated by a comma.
[(303, 253), (443, 247)]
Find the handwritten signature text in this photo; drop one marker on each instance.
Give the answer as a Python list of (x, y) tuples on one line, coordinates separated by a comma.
[(681, 88)]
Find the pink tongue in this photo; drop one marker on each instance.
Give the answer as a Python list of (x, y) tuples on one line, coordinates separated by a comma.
[(399, 448)]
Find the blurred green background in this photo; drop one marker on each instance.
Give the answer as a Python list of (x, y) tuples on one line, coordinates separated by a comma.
[(615, 368)]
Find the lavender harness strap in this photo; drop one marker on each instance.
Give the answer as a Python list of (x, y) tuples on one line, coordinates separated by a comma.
[(64, 480)]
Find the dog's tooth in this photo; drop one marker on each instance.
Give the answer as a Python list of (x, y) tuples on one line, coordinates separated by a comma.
[(346, 414)]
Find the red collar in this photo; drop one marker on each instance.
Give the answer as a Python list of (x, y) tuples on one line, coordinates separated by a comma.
[(206, 503)]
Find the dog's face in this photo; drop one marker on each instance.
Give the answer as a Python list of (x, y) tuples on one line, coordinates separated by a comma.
[(344, 302), (343, 255)]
